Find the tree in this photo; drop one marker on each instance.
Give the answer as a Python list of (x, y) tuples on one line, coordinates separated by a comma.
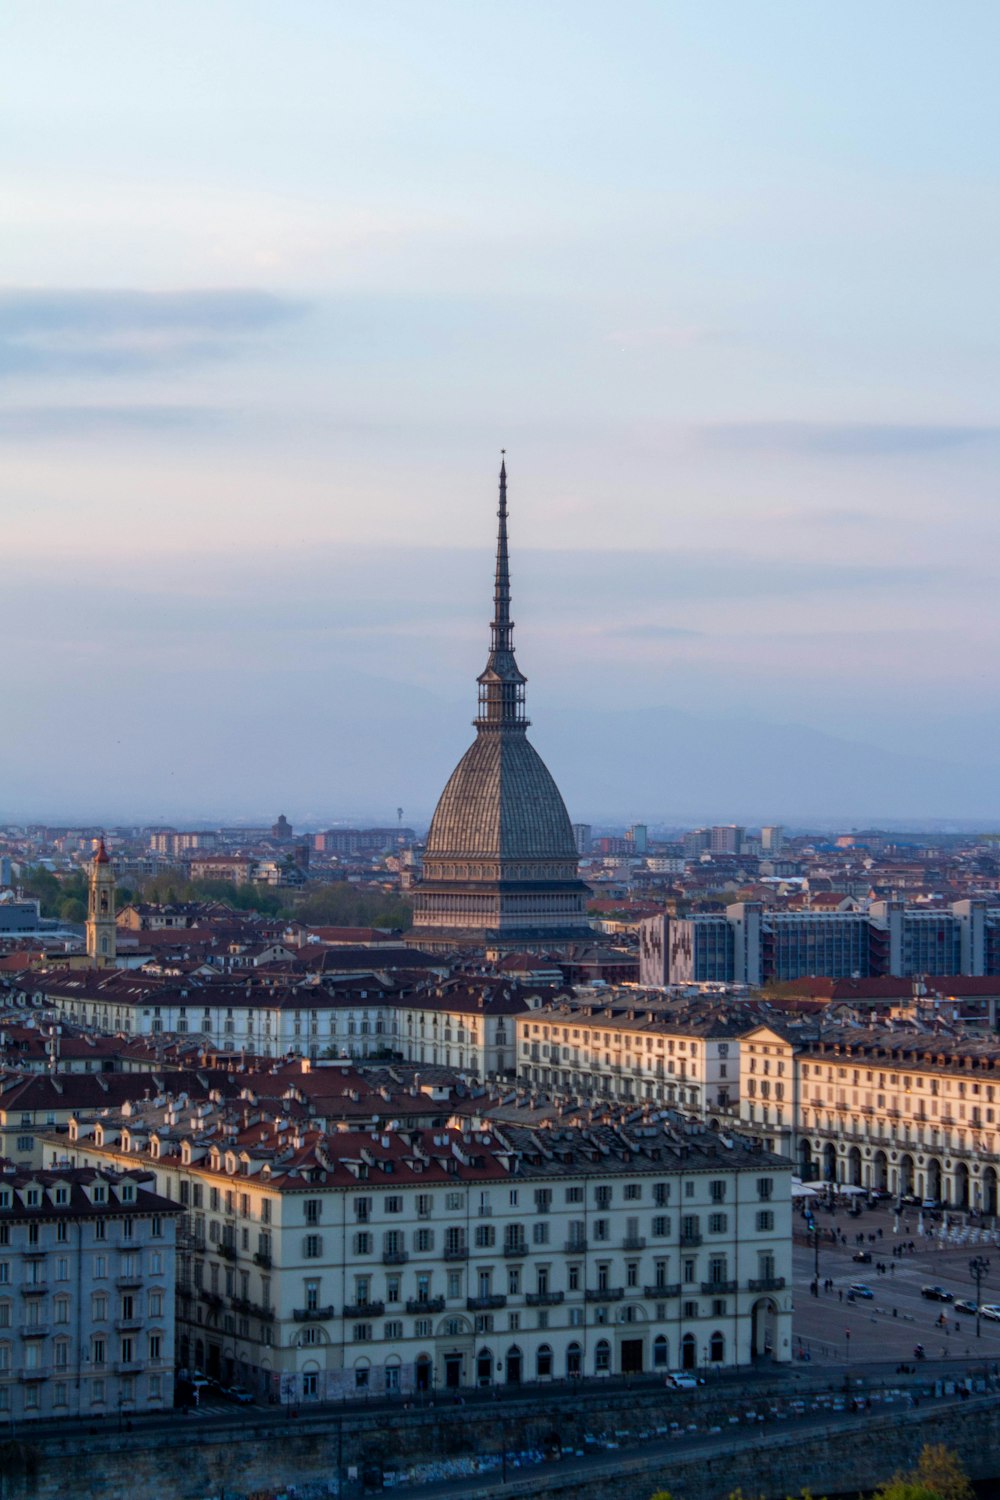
[(940, 1469)]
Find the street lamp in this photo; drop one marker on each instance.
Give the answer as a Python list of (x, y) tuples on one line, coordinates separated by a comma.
[(978, 1267)]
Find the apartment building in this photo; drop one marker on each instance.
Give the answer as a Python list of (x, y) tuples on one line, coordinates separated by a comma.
[(899, 1110), (635, 1048), (750, 944), (319, 1264), (87, 1274)]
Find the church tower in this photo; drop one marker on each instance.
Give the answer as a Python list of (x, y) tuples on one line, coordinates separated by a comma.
[(500, 867), (102, 931)]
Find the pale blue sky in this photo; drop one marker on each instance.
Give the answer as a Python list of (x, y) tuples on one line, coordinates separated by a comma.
[(278, 280)]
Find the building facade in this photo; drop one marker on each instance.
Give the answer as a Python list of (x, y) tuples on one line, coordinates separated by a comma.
[(86, 1293), (316, 1266)]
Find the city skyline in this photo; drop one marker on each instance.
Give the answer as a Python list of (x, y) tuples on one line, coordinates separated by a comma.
[(723, 286)]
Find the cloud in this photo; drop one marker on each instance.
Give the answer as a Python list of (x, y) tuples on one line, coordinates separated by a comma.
[(88, 332), (31, 423), (847, 439)]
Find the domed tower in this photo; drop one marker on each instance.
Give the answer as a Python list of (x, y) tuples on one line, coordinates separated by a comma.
[(500, 867)]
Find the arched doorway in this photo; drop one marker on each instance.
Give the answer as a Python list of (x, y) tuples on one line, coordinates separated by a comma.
[(543, 1362), (990, 1190), (880, 1172), (961, 1197), (422, 1372), (717, 1348), (854, 1166), (453, 1370), (484, 1367), (934, 1179), (689, 1352), (764, 1326), (805, 1161), (661, 1352), (829, 1162), (602, 1358), (906, 1177), (574, 1361), (514, 1365)]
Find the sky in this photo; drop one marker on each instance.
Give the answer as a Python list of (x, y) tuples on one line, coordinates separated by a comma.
[(277, 284)]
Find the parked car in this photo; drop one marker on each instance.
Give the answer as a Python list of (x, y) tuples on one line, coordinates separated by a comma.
[(863, 1257), (238, 1393), (930, 1203), (936, 1294), (683, 1380), (962, 1305), (991, 1310), (859, 1289)]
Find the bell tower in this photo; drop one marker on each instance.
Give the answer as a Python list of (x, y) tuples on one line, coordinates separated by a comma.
[(101, 927)]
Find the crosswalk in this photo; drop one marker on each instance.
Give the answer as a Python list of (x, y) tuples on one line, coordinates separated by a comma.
[(214, 1406)]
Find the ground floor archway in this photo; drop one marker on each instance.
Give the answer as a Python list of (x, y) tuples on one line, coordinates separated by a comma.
[(829, 1162), (960, 1197), (805, 1161), (906, 1176), (933, 1180), (689, 1352), (854, 1166), (764, 1327), (989, 1191), (880, 1172), (514, 1365)]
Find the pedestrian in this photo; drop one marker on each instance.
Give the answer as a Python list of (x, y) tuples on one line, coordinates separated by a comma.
[(841, 1294)]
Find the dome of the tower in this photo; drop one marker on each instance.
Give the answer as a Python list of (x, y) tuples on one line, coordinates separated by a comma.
[(501, 802)]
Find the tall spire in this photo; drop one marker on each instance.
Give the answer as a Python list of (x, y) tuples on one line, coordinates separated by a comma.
[(502, 639), (501, 685)]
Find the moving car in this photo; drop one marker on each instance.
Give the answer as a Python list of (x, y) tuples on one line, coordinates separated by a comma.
[(936, 1294), (859, 1289), (238, 1393), (962, 1305), (682, 1380), (864, 1257), (991, 1310)]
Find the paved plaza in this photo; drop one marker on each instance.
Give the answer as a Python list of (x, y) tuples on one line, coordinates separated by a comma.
[(831, 1328)]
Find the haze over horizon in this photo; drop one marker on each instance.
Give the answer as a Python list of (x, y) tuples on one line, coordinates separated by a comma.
[(278, 286)]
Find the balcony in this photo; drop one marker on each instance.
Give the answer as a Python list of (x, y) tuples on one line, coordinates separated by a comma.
[(228, 1252), (212, 1299), (633, 1242), (262, 1258), (518, 1247), (766, 1284), (545, 1299), (576, 1247), (485, 1304), (668, 1289), (34, 1254), (40, 1372), (130, 1282), (128, 1366), (420, 1305), (364, 1310), (34, 1330), (604, 1294), (252, 1309), (717, 1288), (690, 1240), (34, 1288), (317, 1314), (457, 1252), (395, 1257), (129, 1325)]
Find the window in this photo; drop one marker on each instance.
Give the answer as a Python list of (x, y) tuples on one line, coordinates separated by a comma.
[(717, 1191), (661, 1193), (765, 1220), (543, 1200), (362, 1210), (661, 1225), (485, 1236), (633, 1191), (425, 1205), (313, 1210), (718, 1223), (363, 1243), (362, 1333), (393, 1204), (602, 1357), (540, 1234), (602, 1196), (312, 1246), (765, 1187), (454, 1201), (393, 1329), (424, 1239)]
